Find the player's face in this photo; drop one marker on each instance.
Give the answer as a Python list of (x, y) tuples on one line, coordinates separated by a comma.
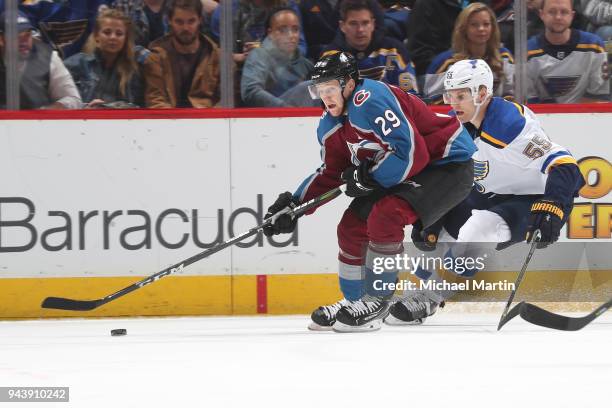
[(330, 93), (557, 15), (285, 31), (479, 28), (358, 28), (185, 25), (111, 36), (462, 102)]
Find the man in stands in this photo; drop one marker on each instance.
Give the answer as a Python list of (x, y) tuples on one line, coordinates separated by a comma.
[(566, 65), (183, 69), (378, 57), (45, 83)]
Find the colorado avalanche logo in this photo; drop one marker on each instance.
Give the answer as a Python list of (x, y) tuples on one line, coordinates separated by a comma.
[(365, 150), (360, 97), (481, 170)]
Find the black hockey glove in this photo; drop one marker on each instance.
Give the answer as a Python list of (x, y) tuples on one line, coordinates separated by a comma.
[(284, 223), (546, 216), (426, 239), (358, 180)]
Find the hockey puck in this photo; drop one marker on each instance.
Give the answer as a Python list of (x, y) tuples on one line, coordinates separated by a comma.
[(118, 332)]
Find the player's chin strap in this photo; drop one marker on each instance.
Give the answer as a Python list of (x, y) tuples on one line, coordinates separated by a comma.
[(478, 106)]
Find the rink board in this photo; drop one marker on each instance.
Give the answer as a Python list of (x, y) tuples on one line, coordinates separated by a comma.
[(91, 205), (248, 294)]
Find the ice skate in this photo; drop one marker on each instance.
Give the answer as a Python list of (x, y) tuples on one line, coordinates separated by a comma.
[(324, 317), (414, 309), (365, 314)]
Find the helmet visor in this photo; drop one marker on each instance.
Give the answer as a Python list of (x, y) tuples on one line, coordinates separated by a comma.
[(325, 89), (457, 96)]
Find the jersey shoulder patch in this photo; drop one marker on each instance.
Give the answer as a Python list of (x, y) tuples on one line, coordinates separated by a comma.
[(590, 42), (504, 121), (534, 48)]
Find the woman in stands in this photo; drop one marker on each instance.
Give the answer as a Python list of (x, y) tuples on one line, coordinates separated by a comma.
[(109, 74), (476, 36)]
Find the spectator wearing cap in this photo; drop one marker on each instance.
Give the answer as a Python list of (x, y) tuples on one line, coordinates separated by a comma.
[(45, 83), (273, 73)]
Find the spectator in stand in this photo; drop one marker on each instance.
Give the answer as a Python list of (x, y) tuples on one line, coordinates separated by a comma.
[(504, 10), (476, 36), (430, 29), (45, 81), (598, 14), (320, 21), (274, 74), (565, 65), (397, 14), (378, 57), (110, 74), (248, 23), (183, 69), (148, 18)]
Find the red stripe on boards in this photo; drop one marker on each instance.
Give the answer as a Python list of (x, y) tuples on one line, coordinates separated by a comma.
[(262, 294)]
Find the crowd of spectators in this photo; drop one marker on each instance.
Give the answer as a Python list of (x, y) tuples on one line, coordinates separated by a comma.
[(165, 53)]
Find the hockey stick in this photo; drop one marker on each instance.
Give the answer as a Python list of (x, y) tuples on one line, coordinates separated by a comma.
[(83, 305), (505, 317), (538, 316)]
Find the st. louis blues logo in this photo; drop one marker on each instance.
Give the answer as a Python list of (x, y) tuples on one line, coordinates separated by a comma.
[(360, 97), (365, 150), (481, 170)]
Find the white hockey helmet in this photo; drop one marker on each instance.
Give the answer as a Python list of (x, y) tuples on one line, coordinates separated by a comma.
[(471, 74)]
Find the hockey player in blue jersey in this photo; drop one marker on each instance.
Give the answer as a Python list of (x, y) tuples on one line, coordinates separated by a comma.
[(523, 181), (402, 163)]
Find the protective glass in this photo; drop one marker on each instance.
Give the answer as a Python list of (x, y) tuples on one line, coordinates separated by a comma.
[(457, 96), (325, 89)]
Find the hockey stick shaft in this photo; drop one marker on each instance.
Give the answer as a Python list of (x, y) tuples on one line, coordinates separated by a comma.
[(541, 317), (505, 317), (83, 305)]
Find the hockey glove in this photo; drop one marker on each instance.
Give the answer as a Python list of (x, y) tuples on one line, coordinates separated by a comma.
[(284, 223), (426, 239), (546, 216), (359, 181)]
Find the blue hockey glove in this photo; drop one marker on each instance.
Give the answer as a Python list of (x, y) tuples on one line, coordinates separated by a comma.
[(284, 223), (358, 180), (546, 216)]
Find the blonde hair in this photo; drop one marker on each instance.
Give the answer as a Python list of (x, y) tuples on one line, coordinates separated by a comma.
[(125, 62), (460, 42)]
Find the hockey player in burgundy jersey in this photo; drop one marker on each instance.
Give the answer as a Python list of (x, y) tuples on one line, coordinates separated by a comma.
[(402, 163)]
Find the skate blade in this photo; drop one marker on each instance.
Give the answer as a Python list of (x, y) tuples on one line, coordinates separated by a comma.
[(394, 321), (317, 327), (345, 328)]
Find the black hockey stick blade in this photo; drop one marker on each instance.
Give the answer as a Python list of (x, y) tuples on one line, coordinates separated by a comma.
[(69, 304), (515, 311), (541, 317), (85, 305), (519, 279)]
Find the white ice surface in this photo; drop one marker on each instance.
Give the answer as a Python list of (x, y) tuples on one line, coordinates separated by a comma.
[(455, 359)]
